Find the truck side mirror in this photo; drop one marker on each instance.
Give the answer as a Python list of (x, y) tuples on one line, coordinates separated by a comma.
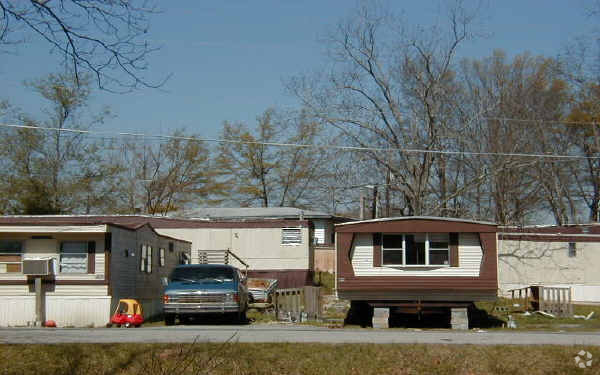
[(164, 281)]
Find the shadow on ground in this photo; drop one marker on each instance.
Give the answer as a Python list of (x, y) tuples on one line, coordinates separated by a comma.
[(361, 314), (211, 319)]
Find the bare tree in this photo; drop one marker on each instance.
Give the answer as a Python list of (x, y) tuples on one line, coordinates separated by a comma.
[(583, 129), (160, 178), (49, 168), (392, 88), (106, 38), (521, 102), (259, 172)]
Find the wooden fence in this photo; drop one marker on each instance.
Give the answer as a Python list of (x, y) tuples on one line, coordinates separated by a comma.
[(553, 300), (298, 302)]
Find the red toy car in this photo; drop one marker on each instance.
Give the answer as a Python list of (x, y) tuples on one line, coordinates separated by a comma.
[(129, 313)]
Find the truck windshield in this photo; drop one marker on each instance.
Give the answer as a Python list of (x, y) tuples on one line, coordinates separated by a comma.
[(193, 274)]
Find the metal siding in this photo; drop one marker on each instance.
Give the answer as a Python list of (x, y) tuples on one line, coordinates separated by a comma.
[(261, 248), (525, 263), (78, 311), (16, 310), (469, 249), (123, 268), (13, 290), (128, 281), (79, 290)]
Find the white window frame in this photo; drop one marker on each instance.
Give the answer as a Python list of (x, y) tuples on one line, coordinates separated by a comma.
[(149, 260), (427, 249), (295, 243), (161, 257), (84, 252), (143, 258), (146, 259)]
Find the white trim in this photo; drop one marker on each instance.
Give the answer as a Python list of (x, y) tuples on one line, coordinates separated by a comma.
[(500, 234), (54, 228), (416, 265), (418, 218), (427, 248)]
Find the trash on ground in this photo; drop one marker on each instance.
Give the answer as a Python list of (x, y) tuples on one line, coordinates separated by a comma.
[(261, 289), (546, 314), (588, 317)]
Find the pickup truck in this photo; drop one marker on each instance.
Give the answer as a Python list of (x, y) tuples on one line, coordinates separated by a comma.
[(193, 290)]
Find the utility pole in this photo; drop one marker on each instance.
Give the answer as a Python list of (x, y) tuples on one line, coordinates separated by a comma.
[(374, 207), (388, 180), (362, 204)]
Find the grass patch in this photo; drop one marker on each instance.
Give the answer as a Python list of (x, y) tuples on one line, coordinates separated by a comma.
[(259, 316), (281, 358), (539, 322), (325, 280)]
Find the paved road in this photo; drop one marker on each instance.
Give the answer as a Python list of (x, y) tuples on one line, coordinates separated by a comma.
[(288, 333)]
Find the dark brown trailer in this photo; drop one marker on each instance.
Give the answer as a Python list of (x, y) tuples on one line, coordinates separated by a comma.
[(416, 263)]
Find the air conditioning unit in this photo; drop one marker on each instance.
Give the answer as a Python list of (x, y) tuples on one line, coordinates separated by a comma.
[(38, 267)]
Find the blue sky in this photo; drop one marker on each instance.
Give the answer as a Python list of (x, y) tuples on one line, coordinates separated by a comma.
[(228, 58)]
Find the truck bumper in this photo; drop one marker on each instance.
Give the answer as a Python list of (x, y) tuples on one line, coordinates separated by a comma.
[(203, 308)]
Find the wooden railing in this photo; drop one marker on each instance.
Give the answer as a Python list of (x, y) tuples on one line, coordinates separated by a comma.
[(553, 300), (218, 257)]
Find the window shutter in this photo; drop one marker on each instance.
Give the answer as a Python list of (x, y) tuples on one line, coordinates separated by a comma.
[(91, 260), (142, 258), (149, 265), (376, 249), (453, 237)]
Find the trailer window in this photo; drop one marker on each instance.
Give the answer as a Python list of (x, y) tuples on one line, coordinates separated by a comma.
[(415, 249), (10, 256), (291, 236), (74, 257), (439, 249), (393, 248)]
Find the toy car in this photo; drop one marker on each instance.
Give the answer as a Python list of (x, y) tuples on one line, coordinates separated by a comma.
[(128, 313)]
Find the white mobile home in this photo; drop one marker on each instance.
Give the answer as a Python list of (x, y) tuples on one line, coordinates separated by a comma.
[(285, 243), (94, 262), (552, 256)]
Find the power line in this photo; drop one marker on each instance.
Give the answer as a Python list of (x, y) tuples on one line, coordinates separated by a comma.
[(297, 145), (542, 121)]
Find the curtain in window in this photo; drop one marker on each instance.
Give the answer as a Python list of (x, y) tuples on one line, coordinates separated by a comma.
[(73, 257)]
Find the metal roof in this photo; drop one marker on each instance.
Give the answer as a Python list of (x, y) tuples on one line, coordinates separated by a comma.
[(253, 213), (418, 218), (132, 222)]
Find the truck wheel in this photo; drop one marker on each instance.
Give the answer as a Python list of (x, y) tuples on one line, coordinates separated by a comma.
[(169, 319)]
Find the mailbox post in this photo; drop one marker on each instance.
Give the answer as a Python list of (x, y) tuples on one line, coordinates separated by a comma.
[(39, 268)]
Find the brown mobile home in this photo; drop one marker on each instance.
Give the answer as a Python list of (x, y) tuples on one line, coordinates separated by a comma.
[(415, 264)]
